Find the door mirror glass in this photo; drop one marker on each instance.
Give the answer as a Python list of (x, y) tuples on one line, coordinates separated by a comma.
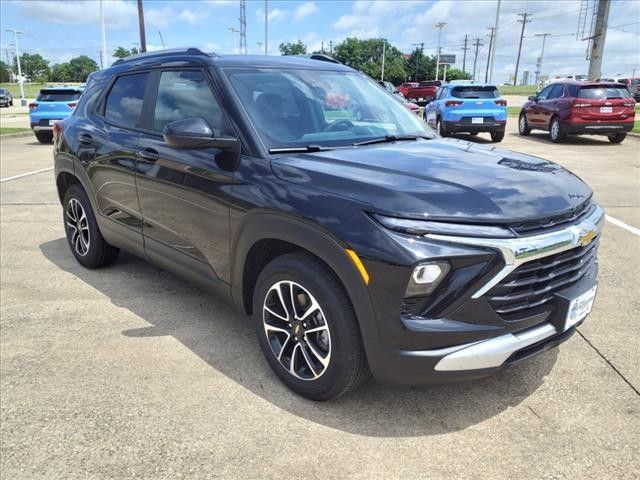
[(195, 133)]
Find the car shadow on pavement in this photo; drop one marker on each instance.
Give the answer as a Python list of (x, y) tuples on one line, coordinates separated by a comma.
[(225, 339)]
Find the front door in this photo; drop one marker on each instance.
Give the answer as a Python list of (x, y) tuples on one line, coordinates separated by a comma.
[(183, 192)]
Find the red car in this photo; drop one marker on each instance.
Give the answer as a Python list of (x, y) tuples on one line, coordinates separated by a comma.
[(404, 88), (424, 91), (594, 108)]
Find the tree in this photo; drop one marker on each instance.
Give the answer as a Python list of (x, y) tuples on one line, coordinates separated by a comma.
[(290, 48), (457, 74), (5, 73), (81, 67), (420, 67), (61, 72), (366, 56), (34, 67), (122, 52)]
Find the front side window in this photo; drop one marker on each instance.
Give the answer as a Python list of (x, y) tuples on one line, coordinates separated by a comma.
[(124, 102), (556, 92), (185, 94), (545, 93), (300, 107)]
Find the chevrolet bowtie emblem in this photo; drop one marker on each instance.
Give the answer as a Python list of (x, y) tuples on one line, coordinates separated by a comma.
[(586, 237)]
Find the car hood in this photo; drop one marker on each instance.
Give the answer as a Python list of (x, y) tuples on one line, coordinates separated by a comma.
[(440, 178)]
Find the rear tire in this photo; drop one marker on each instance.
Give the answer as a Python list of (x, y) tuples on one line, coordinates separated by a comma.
[(497, 136), (556, 135), (617, 137), (441, 129), (523, 125), (83, 235), (44, 137), (307, 329)]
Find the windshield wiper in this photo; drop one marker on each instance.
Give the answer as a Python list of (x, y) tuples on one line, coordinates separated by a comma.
[(307, 148), (391, 138)]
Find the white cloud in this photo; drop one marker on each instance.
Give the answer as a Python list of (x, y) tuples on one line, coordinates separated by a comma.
[(158, 17), (118, 13), (304, 10), (275, 15), (193, 18)]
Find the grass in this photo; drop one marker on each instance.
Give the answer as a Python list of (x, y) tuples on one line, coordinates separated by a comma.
[(31, 90), (636, 127), (524, 90), (513, 111), (6, 130)]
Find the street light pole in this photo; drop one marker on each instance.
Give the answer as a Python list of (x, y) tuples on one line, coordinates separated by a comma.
[(105, 63), (233, 31), (266, 27), (439, 26), (495, 41), (384, 49), (15, 41)]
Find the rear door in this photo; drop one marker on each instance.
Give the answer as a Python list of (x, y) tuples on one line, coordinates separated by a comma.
[(604, 103), (183, 191)]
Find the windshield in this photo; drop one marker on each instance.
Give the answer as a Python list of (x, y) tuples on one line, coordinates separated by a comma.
[(297, 108), (603, 92), (475, 92), (58, 95), (3, 91)]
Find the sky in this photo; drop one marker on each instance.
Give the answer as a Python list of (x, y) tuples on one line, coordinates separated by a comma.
[(61, 30)]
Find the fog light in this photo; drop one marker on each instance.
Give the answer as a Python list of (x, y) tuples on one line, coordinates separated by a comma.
[(426, 277)]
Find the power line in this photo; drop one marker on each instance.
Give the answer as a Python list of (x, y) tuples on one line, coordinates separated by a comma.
[(523, 21)]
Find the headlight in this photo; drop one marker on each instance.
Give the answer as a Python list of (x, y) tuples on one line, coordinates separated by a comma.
[(426, 277), (423, 227)]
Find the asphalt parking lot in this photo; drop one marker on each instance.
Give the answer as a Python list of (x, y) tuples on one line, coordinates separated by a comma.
[(131, 372)]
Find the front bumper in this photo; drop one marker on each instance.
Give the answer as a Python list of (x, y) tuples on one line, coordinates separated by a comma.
[(598, 128), (472, 341)]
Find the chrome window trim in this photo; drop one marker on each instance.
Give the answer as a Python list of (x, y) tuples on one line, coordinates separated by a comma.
[(517, 251)]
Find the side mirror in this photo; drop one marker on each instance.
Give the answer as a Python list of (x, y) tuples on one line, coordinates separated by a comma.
[(533, 98), (195, 133)]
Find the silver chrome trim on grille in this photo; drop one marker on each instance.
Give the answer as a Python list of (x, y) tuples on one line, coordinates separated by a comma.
[(517, 251)]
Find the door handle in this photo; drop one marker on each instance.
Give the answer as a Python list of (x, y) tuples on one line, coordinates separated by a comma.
[(85, 139), (148, 155)]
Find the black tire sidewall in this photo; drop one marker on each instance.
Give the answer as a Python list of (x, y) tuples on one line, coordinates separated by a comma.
[(338, 314), (526, 130), (44, 137)]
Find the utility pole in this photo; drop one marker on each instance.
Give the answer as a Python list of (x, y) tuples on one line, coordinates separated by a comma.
[(523, 21), (143, 38), (539, 64), (330, 47), (103, 53), (243, 26), (161, 40), (477, 44), (464, 56), (597, 41), (266, 26), (486, 73), (384, 50), (15, 41), (439, 26), (233, 31), (495, 41)]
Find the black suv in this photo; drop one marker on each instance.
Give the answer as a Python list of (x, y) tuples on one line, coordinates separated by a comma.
[(309, 197)]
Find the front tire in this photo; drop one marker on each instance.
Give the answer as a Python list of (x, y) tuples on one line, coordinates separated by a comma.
[(83, 235), (523, 125), (617, 137), (44, 137), (556, 135), (307, 329)]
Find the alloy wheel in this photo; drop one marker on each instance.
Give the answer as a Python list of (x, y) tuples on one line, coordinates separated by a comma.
[(77, 227), (523, 123), (555, 129), (297, 330)]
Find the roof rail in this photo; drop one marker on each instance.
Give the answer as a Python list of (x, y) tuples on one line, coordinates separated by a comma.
[(161, 53), (322, 57)]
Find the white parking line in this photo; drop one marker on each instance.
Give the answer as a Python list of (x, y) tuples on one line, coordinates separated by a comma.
[(15, 177), (621, 224)]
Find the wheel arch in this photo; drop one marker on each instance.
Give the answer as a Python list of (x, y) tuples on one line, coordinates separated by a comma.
[(264, 235)]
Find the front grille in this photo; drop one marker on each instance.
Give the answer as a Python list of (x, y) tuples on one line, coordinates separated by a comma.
[(571, 216), (535, 283)]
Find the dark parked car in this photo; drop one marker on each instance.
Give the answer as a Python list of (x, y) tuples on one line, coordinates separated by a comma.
[(357, 246), (633, 84), (6, 99), (580, 108)]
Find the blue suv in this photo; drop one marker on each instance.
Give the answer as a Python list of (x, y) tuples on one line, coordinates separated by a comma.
[(469, 108), (51, 105)]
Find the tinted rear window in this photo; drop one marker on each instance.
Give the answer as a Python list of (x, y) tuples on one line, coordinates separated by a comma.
[(51, 95), (603, 92), (475, 92)]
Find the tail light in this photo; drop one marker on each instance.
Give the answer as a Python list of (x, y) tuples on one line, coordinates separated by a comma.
[(57, 129), (452, 103), (72, 105), (581, 103), (32, 106), (502, 103), (630, 104)]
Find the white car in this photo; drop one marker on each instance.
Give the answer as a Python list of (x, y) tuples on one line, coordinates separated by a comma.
[(577, 78)]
